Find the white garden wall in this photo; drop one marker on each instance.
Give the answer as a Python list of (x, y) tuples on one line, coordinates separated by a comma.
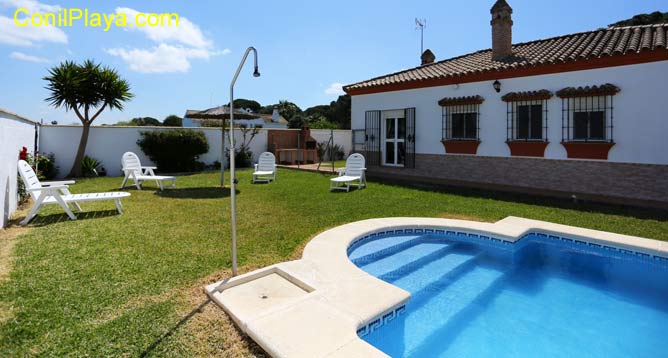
[(640, 120), (15, 132), (107, 144), (341, 137)]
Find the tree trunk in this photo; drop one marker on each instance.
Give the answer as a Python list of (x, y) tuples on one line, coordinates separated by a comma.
[(75, 172)]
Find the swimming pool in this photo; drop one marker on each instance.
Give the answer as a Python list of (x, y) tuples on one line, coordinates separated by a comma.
[(548, 296)]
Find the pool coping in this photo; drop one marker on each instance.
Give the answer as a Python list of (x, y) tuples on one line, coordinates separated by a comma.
[(344, 299)]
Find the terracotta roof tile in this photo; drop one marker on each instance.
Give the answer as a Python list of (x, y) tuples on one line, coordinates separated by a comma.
[(526, 96), (459, 101), (602, 90), (563, 49)]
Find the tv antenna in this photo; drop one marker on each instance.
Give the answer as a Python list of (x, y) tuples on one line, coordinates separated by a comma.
[(420, 24)]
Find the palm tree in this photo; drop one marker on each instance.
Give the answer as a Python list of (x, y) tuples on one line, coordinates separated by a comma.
[(86, 88)]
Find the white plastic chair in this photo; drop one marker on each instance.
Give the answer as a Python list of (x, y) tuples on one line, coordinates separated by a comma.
[(353, 172), (265, 169), (134, 170), (57, 192)]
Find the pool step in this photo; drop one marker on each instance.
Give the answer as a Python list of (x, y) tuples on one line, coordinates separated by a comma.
[(438, 301), (383, 266), (433, 343), (378, 249), (417, 265), (442, 301), (435, 274)]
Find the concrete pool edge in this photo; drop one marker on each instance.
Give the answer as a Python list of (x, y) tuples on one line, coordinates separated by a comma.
[(324, 321)]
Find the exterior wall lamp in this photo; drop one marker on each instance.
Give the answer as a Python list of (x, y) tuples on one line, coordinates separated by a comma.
[(497, 86)]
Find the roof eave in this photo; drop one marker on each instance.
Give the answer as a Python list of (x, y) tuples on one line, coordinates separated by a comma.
[(523, 71)]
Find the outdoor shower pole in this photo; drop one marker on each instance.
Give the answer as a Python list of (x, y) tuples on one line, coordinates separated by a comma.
[(233, 180), (222, 154), (331, 136)]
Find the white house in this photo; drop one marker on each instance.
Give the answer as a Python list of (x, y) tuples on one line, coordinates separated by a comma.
[(579, 115), (243, 117)]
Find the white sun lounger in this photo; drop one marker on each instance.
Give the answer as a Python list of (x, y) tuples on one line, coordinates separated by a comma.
[(134, 170), (265, 169), (57, 192), (353, 172)]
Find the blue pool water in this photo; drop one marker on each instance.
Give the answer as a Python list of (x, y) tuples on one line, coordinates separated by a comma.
[(540, 297)]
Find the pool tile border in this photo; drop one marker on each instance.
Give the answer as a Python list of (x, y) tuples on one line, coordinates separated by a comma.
[(463, 235), (382, 320)]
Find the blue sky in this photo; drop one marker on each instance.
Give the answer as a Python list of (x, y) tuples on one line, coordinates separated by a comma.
[(306, 48)]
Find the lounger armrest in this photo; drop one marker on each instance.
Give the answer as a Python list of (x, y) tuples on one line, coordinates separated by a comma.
[(49, 188), (148, 171), (54, 183), (341, 171), (255, 167)]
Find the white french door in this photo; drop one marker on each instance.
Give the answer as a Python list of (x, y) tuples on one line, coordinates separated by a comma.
[(394, 138)]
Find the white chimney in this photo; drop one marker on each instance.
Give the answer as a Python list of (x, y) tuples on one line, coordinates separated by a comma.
[(274, 116)]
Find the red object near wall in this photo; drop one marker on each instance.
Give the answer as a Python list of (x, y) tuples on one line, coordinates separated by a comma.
[(23, 154), (527, 149), (588, 150), (461, 146)]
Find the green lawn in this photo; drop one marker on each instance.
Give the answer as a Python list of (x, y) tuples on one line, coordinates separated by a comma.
[(110, 284)]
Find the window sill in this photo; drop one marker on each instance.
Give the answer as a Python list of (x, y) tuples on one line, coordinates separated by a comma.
[(588, 150), (461, 146), (530, 148)]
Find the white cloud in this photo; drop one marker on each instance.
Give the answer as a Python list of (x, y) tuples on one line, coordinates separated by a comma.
[(186, 33), (24, 57), (31, 5), (162, 58), (335, 88), (176, 46), (12, 34)]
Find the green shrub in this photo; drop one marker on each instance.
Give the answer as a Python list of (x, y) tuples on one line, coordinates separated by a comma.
[(173, 121), (243, 158), (338, 152), (46, 166), (323, 124), (175, 150), (325, 152), (21, 190), (90, 166)]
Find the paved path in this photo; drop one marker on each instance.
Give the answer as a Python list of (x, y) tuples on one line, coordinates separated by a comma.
[(324, 167)]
